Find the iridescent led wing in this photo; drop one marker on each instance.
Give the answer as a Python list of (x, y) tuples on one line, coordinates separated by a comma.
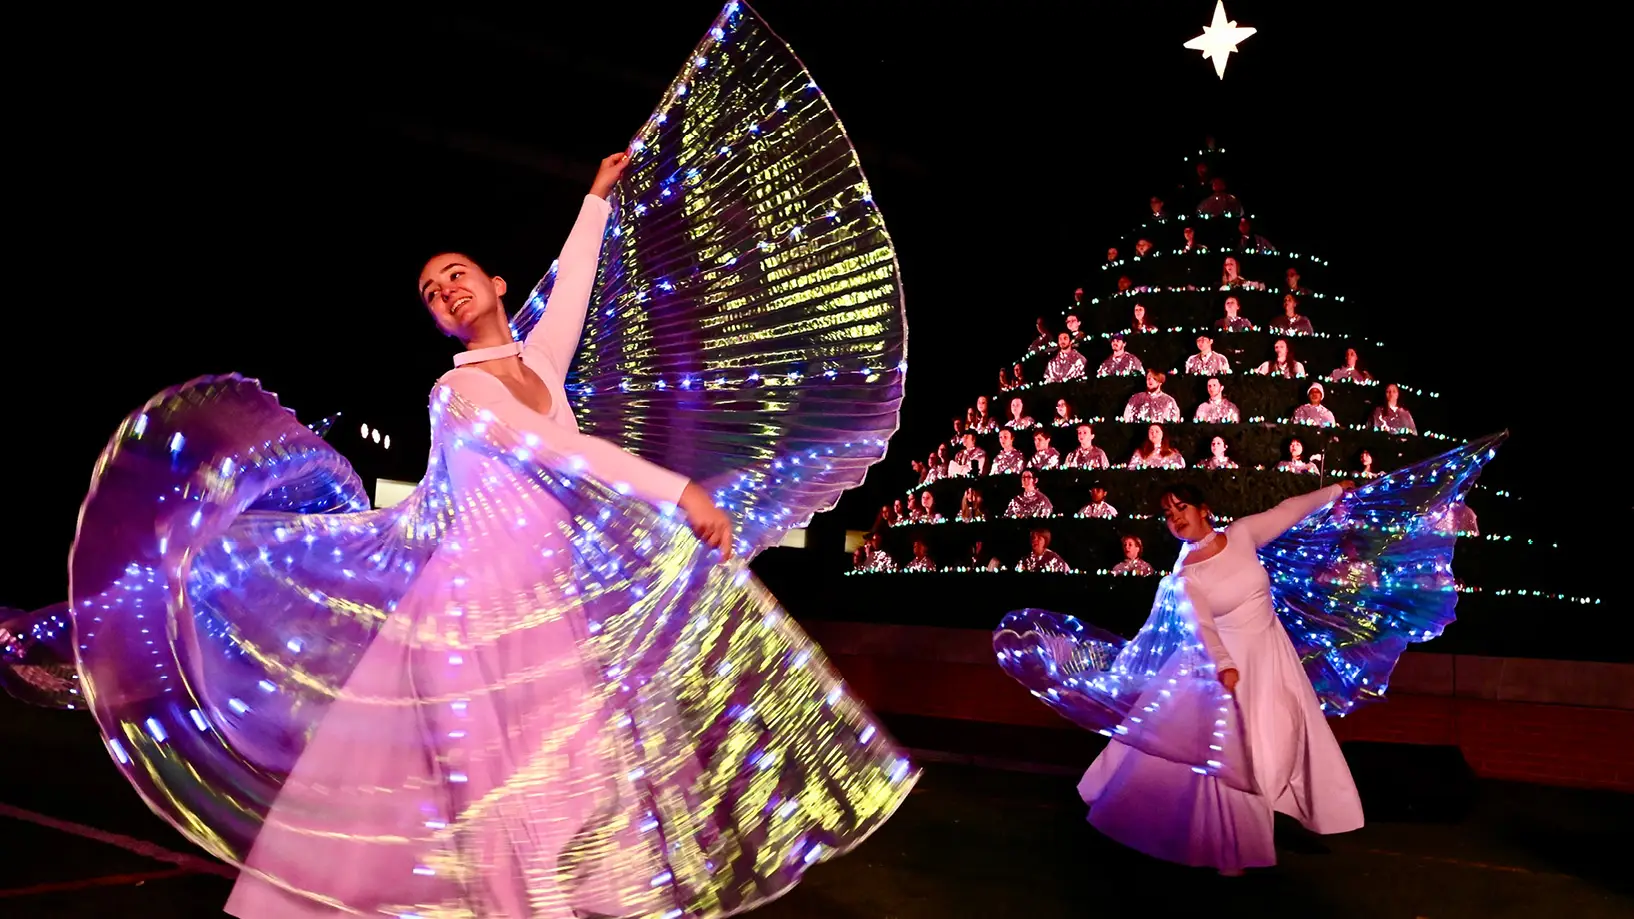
[(1156, 692), (747, 327), (1358, 583), (517, 651), (37, 657)]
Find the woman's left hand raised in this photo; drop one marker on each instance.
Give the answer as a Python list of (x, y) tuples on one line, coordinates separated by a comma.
[(710, 523), (607, 175)]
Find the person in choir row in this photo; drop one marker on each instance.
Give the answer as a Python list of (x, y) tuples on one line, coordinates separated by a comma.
[(1217, 455), (1296, 460), (1153, 404), (1291, 284), (1121, 363), (971, 509), (1017, 376), (981, 558), (1042, 558), (1207, 361), (1159, 212), (1087, 456), (1221, 203), (1097, 508), (1064, 416), (1009, 460), (921, 560), (1139, 322), (1067, 364), (1366, 461), (1031, 502), (1191, 245), (1218, 409), (1248, 239), (1232, 321), (871, 556), (1314, 412), (1132, 563), (1112, 255), (1044, 455), (1019, 419), (1391, 416), (984, 423), (1284, 364), (1155, 452), (970, 460), (1044, 337), (1075, 327), (1352, 372), (927, 512), (1232, 279), (1291, 322), (1143, 248)]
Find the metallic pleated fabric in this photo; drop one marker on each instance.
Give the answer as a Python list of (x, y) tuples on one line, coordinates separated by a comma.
[(1353, 585), (747, 328)]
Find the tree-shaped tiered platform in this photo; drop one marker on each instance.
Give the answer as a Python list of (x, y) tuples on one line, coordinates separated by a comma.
[(1183, 294)]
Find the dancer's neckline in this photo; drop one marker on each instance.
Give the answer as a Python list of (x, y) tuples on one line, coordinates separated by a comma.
[(478, 355)]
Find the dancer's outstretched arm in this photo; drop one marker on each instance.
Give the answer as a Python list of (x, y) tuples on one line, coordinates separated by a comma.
[(1268, 525), (645, 480), (557, 334)]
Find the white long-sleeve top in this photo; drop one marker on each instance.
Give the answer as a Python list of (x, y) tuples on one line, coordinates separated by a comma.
[(1232, 590), (548, 351)]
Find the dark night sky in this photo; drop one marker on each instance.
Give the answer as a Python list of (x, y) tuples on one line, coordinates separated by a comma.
[(256, 195)]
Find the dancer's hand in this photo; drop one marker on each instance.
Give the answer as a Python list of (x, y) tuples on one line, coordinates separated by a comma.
[(712, 524), (1228, 679), (608, 174)]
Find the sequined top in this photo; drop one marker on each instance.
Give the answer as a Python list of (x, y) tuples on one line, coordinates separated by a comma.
[(1396, 421), (1216, 462), (1125, 364), (1086, 458), (1297, 466), (1238, 324), (1350, 375), (1314, 414), (1098, 510), (1070, 421), (1211, 364), (1008, 462), (1170, 459), (1067, 365), (1134, 566), (1154, 407), (1043, 561), (921, 516), (919, 564), (1030, 505), (1021, 424), (1290, 370), (876, 560), (1298, 325), (1217, 411), (1047, 458), (985, 424), (969, 461)]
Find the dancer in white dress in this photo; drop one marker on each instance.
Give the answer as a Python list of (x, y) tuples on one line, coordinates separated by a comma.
[(1169, 810)]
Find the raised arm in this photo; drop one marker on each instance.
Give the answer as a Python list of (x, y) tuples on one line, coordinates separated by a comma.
[(556, 335), (1268, 525)]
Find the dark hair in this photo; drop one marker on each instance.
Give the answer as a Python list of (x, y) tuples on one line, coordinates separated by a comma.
[(1184, 492)]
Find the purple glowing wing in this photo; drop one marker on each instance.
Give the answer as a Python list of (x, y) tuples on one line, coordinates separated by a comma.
[(357, 706), (1355, 584), (747, 328), (37, 657), (1156, 692)]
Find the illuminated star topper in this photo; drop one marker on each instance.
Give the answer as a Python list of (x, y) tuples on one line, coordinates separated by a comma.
[(1219, 38)]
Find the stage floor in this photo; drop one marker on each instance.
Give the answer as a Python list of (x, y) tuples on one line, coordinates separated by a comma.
[(970, 842)]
